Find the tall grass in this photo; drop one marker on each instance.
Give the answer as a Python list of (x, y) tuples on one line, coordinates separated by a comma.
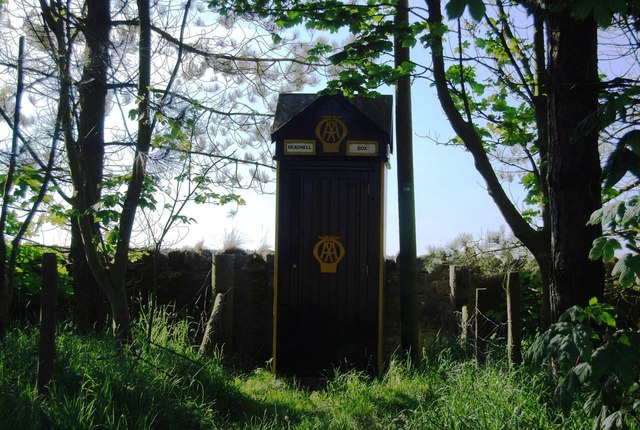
[(165, 385)]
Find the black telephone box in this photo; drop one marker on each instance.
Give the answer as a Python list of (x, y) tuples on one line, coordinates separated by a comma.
[(332, 154)]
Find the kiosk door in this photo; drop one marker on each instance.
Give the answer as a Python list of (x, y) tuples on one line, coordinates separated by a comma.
[(328, 271)]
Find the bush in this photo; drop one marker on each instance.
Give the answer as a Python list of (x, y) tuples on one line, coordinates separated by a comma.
[(596, 363), (28, 281)]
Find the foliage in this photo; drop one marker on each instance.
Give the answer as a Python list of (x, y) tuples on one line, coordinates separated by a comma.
[(28, 277), (28, 280), (211, 106), (167, 386), (597, 362), (622, 218), (455, 8)]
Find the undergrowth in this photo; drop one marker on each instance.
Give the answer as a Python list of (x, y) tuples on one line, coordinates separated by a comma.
[(164, 385)]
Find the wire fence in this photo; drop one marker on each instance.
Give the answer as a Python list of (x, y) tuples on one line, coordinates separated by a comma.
[(482, 333)]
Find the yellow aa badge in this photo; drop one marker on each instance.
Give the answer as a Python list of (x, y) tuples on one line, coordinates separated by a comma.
[(331, 131), (328, 251)]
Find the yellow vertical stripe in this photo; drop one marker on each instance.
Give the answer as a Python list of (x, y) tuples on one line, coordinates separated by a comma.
[(381, 272), (275, 275)]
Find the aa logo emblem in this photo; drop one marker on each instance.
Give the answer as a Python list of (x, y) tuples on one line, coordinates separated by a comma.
[(331, 131), (328, 251)]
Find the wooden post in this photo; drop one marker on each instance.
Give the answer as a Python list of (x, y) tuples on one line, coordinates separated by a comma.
[(409, 330), (464, 323), (514, 319), (219, 330), (479, 347), (453, 286), (47, 341)]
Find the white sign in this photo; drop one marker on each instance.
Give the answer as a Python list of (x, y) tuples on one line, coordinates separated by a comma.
[(362, 148), (299, 147)]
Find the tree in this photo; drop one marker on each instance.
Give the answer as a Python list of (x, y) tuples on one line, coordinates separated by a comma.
[(111, 64), (574, 160), (542, 102), (564, 96), (24, 189), (460, 112)]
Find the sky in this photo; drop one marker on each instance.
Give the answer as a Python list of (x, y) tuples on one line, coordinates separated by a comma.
[(450, 195)]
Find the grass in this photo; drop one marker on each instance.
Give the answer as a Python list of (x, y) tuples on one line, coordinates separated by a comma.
[(165, 386)]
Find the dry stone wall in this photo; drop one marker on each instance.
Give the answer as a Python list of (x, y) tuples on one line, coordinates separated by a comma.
[(190, 281), (180, 279)]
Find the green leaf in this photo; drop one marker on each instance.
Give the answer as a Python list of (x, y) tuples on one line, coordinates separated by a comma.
[(601, 362), (609, 215), (476, 9), (566, 391), (627, 269), (582, 8), (455, 8), (596, 217), (618, 6), (573, 314), (631, 218), (583, 371), (581, 337), (619, 163), (593, 403), (602, 13), (613, 421), (605, 248), (538, 351)]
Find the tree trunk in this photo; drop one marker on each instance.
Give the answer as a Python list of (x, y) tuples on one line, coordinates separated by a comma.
[(574, 160), (90, 307), (120, 320), (544, 263), (540, 103), (6, 283)]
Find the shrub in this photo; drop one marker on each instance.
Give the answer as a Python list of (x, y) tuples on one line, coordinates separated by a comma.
[(596, 363)]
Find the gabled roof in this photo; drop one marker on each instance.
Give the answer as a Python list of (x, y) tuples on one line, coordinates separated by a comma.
[(377, 110)]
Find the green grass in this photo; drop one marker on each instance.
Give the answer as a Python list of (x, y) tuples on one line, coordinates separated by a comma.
[(165, 386)]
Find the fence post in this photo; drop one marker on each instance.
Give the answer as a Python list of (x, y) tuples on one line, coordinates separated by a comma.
[(464, 324), (219, 329), (47, 340), (479, 347), (514, 319)]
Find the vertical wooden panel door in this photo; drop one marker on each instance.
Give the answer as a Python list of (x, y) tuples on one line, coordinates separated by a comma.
[(328, 272)]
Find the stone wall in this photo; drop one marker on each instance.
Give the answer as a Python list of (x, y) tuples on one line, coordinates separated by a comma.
[(186, 279), (248, 280), (180, 278)]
